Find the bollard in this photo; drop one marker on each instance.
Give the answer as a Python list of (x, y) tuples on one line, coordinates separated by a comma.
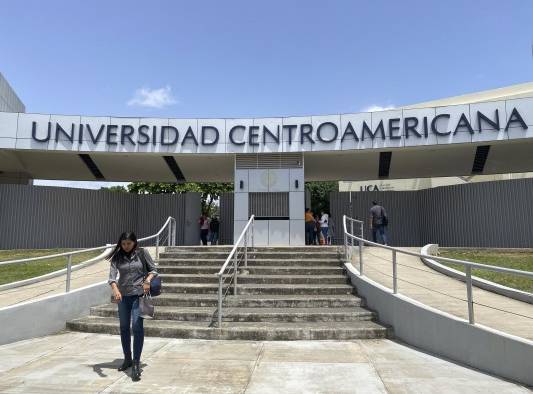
[(468, 270), (69, 271)]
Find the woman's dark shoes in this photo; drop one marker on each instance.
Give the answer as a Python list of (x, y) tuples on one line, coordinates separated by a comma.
[(125, 365), (136, 371)]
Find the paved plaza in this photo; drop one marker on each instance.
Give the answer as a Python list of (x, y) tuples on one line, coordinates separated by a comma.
[(87, 363)]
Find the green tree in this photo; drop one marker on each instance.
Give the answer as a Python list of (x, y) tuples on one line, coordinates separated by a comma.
[(120, 189), (210, 191), (320, 194)]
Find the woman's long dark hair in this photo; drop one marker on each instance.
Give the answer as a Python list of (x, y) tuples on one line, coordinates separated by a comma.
[(118, 252)]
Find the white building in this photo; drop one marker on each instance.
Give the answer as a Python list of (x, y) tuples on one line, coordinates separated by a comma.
[(506, 93)]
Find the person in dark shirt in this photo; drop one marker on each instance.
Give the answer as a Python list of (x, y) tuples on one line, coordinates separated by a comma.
[(214, 227), (378, 222)]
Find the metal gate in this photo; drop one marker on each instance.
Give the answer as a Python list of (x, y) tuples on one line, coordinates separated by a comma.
[(226, 219)]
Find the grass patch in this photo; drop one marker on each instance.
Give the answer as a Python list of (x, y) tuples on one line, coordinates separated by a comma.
[(15, 272), (511, 259)]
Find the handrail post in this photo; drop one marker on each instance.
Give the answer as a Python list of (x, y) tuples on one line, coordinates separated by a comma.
[(169, 236), (361, 257), (69, 271), (246, 251), (174, 232), (235, 272), (351, 232), (253, 223), (157, 247), (220, 278), (362, 232), (468, 270), (346, 247), (394, 273)]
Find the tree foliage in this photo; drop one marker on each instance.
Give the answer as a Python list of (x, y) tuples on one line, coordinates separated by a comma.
[(320, 194), (120, 189), (210, 191)]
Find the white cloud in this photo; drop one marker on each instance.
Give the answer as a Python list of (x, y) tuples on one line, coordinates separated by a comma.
[(77, 184), (373, 108), (153, 98)]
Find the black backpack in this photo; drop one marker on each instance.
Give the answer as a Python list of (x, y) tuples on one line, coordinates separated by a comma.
[(384, 218)]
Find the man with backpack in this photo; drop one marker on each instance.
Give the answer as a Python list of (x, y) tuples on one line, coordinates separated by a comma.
[(378, 222)]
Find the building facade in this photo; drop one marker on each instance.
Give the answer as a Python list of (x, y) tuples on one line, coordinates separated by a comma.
[(269, 159), (10, 102)]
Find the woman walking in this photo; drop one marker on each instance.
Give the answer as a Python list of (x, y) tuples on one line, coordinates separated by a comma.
[(136, 269)]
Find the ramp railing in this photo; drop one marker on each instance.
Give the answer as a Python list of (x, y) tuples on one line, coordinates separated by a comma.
[(230, 268), (166, 236), (350, 239)]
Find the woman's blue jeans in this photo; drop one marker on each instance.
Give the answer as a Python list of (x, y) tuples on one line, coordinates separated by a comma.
[(128, 309)]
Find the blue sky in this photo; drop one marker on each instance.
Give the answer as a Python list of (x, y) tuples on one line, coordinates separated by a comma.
[(251, 58)]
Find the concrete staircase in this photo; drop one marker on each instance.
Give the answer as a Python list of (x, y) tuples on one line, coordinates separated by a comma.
[(286, 293)]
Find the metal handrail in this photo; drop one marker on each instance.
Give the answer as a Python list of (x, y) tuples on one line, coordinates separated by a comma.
[(352, 221), (171, 240), (467, 264), (234, 256)]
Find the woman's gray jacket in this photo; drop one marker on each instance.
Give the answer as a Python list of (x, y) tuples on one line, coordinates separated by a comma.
[(131, 272)]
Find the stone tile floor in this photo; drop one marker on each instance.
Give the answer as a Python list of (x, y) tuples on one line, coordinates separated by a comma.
[(86, 363)]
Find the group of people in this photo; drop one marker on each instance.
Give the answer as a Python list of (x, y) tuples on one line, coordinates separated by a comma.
[(318, 229), (209, 229)]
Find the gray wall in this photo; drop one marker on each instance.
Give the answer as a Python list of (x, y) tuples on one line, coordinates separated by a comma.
[(9, 101), (49, 217), (226, 219), (445, 335), (33, 318), (488, 214)]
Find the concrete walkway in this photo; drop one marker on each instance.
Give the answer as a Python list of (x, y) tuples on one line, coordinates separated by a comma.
[(432, 288), (92, 274), (86, 363)]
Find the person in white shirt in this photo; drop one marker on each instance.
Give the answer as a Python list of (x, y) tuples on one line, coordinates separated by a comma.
[(324, 225)]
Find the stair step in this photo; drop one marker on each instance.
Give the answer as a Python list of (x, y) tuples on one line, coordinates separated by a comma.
[(259, 300), (243, 278), (260, 331), (284, 293), (331, 262), (246, 288), (253, 270), (248, 314), (228, 248), (251, 255)]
